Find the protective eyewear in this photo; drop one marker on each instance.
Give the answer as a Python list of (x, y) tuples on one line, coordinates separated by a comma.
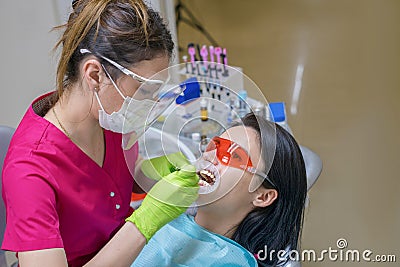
[(231, 154), (154, 89), (124, 70)]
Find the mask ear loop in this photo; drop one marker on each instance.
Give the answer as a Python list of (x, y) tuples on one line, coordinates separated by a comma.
[(98, 98)]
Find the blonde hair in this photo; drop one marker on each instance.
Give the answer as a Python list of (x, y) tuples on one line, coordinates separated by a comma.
[(126, 31)]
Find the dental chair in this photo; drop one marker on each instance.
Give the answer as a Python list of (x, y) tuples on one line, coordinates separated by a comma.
[(313, 170), (313, 165), (5, 136)]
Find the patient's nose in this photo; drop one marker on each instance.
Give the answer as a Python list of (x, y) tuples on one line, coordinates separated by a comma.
[(211, 156)]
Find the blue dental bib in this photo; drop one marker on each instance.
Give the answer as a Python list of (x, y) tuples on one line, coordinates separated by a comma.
[(183, 242)]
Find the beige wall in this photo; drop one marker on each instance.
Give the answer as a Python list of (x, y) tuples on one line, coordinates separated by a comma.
[(348, 109), (27, 65)]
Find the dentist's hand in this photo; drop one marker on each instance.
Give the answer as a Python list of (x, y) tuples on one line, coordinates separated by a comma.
[(159, 167), (168, 199)]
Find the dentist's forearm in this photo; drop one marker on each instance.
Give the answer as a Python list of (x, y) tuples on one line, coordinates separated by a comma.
[(121, 250)]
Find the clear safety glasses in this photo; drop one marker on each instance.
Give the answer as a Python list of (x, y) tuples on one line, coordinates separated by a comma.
[(154, 95), (153, 89), (231, 154), (124, 70)]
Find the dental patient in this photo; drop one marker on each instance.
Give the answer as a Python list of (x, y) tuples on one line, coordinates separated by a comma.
[(256, 179)]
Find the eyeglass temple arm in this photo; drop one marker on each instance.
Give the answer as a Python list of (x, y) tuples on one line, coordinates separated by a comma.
[(123, 69), (263, 175)]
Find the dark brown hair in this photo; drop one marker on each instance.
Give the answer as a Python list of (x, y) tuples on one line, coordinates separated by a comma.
[(126, 31), (278, 226)]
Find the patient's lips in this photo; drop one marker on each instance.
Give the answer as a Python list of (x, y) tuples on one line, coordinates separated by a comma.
[(209, 176)]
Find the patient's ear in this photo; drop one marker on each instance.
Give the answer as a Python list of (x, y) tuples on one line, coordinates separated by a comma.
[(264, 197)]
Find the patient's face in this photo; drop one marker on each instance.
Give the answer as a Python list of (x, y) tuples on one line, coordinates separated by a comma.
[(233, 191)]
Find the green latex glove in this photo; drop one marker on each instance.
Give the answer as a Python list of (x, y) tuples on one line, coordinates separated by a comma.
[(168, 199), (159, 167)]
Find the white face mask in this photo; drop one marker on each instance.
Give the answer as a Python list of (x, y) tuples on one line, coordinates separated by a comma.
[(133, 118)]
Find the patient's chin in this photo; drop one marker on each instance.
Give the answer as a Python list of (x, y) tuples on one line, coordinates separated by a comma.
[(207, 200)]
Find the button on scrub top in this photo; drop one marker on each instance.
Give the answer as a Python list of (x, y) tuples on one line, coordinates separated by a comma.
[(58, 197)]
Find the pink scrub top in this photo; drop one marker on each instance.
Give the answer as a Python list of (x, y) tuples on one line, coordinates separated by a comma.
[(58, 197)]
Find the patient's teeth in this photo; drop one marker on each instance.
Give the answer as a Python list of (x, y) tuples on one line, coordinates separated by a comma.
[(207, 177)]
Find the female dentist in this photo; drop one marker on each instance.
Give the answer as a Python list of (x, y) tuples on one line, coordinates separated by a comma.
[(66, 185)]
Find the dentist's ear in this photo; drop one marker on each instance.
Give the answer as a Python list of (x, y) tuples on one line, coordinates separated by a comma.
[(264, 197), (91, 72)]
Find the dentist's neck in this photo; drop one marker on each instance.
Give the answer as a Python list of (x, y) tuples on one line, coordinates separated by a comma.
[(74, 111)]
